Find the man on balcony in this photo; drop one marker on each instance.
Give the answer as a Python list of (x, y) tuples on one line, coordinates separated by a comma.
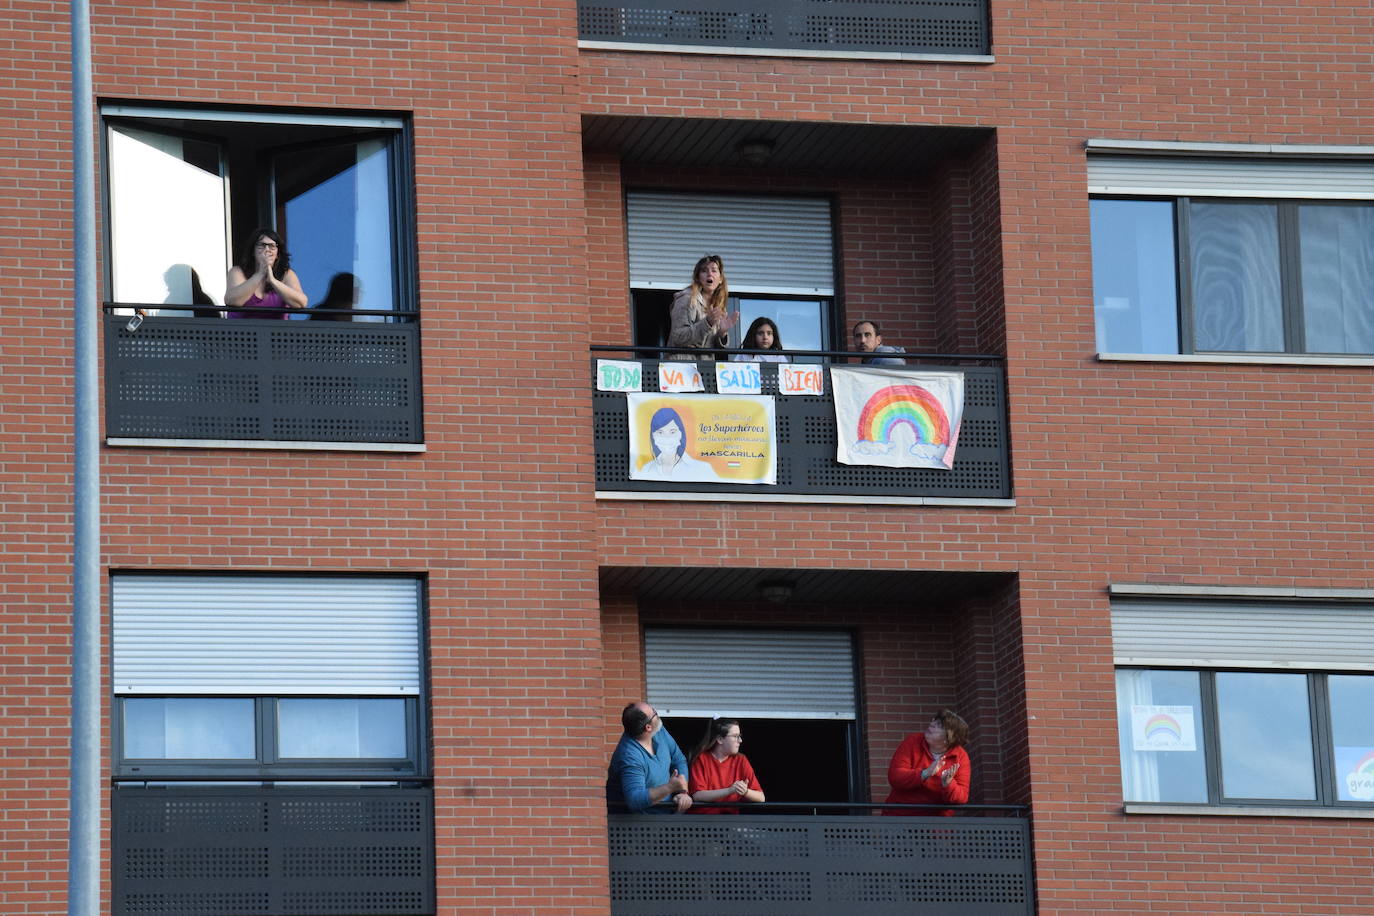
[(867, 339), (647, 766)]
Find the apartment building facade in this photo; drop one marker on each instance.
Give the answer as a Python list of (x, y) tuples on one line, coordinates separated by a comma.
[(380, 578)]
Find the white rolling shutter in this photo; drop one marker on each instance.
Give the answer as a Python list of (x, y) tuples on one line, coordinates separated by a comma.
[(1237, 634), (1335, 179), (779, 245), (758, 674), (265, 635)]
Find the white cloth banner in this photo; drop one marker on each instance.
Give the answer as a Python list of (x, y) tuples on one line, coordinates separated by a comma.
[(897, 418)]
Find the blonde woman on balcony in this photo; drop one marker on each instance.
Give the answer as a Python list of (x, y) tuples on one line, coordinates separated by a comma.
[(700, 313), (932, 767)]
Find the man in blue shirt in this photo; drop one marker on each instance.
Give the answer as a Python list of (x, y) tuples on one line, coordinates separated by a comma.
[(647, 766)]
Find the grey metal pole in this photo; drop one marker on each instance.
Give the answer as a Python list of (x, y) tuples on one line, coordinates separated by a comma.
[(83, 870)]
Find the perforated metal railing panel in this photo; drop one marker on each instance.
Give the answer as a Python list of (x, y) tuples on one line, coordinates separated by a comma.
[(248, 850), (189, 378), (749, 865), (911, 26), (805, 437)]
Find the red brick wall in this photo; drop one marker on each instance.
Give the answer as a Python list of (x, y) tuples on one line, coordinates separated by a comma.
[(1219, 475)]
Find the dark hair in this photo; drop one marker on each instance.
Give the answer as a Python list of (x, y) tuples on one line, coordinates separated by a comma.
[(749, 344), (956, 729), (716, 730), (633, 719), (876, 331), (248, 262), (661, 418)]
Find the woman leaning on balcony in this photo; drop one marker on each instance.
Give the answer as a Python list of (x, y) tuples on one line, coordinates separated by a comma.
[(263, 278), (700, 313), (931, 768)]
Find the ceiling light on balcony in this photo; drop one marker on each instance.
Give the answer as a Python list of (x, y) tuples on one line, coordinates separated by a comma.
[(756, 152), (777, 591)]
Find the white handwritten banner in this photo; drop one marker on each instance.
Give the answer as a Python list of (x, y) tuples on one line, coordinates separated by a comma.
[(676, 376), (702, 438), (896, 418), (738, 378), (802, 379), (1162, 728), (619, 375)]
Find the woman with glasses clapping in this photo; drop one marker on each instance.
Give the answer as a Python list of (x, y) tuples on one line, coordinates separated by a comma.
[(263, 278), (719, 772)]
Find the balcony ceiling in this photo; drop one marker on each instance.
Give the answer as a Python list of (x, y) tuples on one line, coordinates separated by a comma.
[(883, 150), (688, 584)]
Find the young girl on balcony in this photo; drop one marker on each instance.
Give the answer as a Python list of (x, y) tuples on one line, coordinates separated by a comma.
[(719, 772)]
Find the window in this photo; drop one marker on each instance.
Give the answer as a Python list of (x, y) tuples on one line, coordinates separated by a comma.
[(790, 689), (1246, 737), (1258, 701), (186, 187), (1246, 257), (267, 676), (778, 254)]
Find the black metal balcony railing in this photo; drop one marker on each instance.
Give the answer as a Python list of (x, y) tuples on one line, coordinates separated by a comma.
[(229, 851), (806, 443), (258, 379), (819, 865), (914, 27)]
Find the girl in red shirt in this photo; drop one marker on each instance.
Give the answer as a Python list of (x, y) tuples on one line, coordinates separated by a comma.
[(719, 772)]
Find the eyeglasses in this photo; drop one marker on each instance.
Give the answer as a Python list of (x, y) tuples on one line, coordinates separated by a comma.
[(266, 246)]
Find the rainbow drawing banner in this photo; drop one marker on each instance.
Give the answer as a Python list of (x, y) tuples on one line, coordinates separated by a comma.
[(702, 438), (897, 418), (1162, 728)]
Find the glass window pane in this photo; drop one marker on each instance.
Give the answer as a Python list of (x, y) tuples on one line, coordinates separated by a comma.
[(801, 322), (1352, 734), (334, 207), (189, 728), (1135, 285), (1265, 731), (1337, 278), (1159, 717), (1234, 257), (314, 728), (168, 220)]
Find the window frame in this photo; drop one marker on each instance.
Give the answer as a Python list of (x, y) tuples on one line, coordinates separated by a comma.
[(172, 120), (1289, 237), (1325, 777), (267, 762)]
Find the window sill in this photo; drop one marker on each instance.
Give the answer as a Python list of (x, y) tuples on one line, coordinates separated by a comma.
[(279, 445), (805, 499), (1269, 359), (1249, 811), (588, 45)]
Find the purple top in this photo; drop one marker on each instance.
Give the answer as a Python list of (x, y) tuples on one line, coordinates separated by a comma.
[(272, 300)]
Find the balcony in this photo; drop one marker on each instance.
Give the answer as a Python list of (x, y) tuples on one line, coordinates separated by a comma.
[(805, 443), (226, 851), (820, 864), (939, 27), (246, 381)]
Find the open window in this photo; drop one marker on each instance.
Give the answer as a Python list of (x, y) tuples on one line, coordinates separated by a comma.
[(778, 254), (794, 692), (186, 187)]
